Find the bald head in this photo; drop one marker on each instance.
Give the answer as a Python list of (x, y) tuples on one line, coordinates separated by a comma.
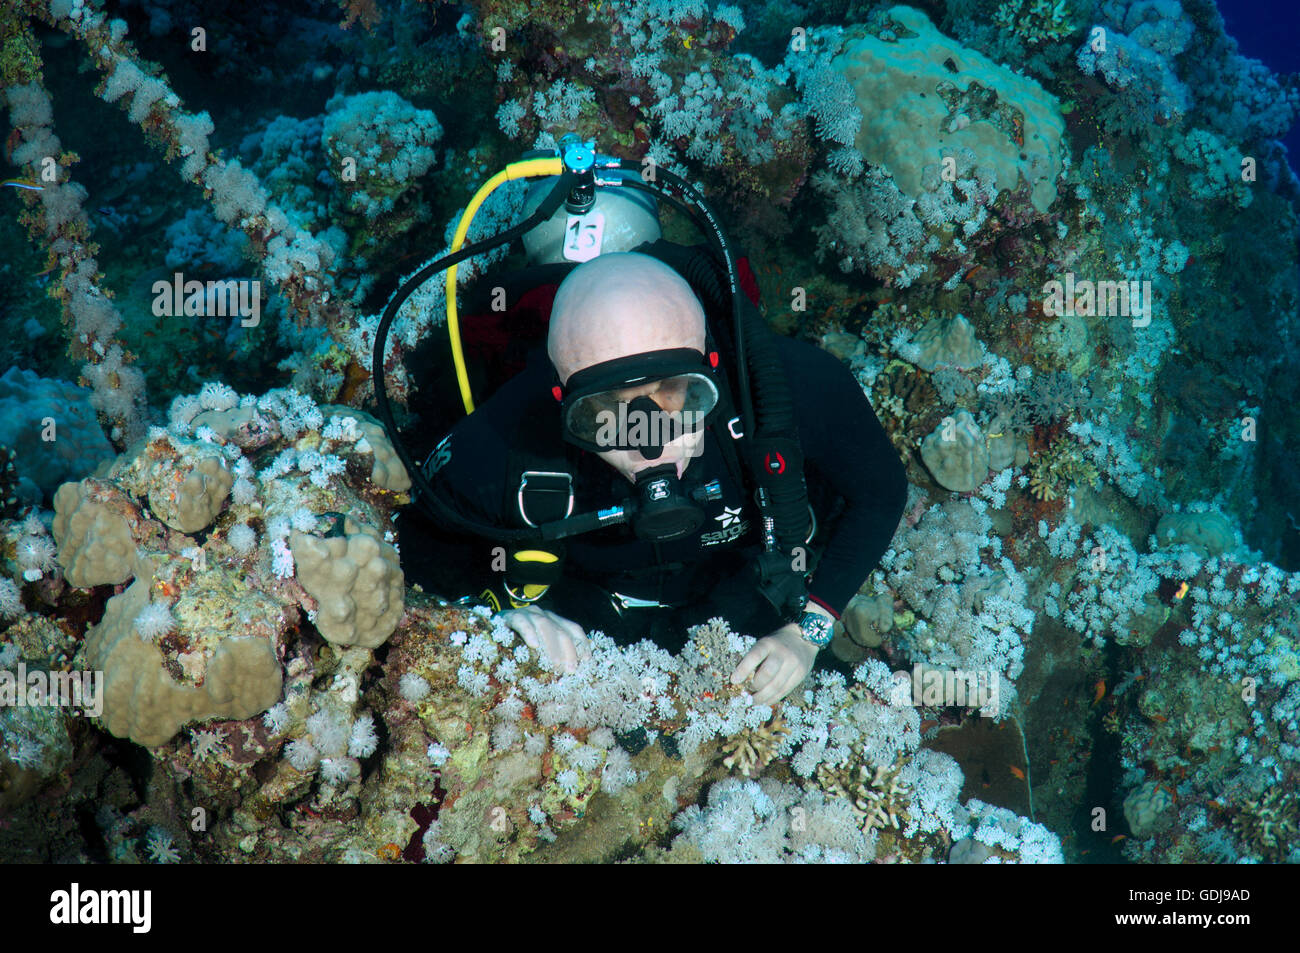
[(621, 304)]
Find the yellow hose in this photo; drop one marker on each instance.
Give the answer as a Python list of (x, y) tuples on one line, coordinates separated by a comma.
[(527, 169)]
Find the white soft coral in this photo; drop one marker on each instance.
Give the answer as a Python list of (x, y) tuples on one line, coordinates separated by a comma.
[(160, 848), (154, 621), (207, 743), (363, 741), (34, 555), (11, 599)]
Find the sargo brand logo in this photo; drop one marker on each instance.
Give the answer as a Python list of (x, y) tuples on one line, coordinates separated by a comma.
[(76, 906), (731, 525)]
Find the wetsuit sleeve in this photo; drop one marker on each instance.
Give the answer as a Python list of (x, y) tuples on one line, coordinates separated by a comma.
[(845, 447)]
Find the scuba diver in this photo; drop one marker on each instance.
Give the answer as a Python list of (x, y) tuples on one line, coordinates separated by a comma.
[(653, 466)]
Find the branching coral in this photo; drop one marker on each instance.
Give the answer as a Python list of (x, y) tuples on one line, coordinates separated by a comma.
[(1061, 466), (907, 403), (871, 226), (1037, 21), (879, 799), (753, 749), (1007, 411)]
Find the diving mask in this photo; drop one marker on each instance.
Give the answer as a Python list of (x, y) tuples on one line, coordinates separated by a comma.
[(641, 402)]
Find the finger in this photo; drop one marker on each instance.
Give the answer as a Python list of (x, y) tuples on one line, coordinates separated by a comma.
[(555, 617), (581, 644), (566, 657), (547, 645), (779, 688), (570, 654), (768, 676), (749, 663), (574, 631), (525, 628), (771, 694)]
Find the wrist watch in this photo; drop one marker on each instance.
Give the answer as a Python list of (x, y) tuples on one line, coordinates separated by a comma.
[(816, 628)]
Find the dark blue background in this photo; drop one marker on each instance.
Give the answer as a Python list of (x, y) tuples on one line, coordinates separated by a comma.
[(1268, 30)]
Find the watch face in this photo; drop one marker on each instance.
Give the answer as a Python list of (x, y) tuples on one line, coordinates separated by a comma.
[(816, 628)]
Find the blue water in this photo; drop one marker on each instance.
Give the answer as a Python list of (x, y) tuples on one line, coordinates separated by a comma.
[(1268, 30)]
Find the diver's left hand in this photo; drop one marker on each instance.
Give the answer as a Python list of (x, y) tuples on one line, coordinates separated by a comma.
[(778, 663)]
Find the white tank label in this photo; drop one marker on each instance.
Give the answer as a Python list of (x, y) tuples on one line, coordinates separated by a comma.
[(583, 235)]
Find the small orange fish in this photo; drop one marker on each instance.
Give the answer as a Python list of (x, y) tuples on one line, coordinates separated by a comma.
[(1182, 591), (1017, 772), (1098, 690), (1117, 838)]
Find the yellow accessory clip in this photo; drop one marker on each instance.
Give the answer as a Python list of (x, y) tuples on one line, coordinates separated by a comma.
[(531, 591)]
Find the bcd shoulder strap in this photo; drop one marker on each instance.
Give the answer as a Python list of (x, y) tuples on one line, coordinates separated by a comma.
[(538, 489)]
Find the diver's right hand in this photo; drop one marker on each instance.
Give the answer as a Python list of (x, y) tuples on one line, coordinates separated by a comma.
[(562, 641)]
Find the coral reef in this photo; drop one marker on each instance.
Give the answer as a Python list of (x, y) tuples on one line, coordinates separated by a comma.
[(200, 632), (878, 799), (1102, 534)]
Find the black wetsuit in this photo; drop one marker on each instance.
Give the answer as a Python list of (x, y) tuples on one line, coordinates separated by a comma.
[(856, 484)]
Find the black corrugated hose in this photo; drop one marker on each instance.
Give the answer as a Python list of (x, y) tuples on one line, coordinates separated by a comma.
[(775, 430)]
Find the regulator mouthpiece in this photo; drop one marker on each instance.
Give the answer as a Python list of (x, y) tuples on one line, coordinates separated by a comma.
[(663, 512)]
